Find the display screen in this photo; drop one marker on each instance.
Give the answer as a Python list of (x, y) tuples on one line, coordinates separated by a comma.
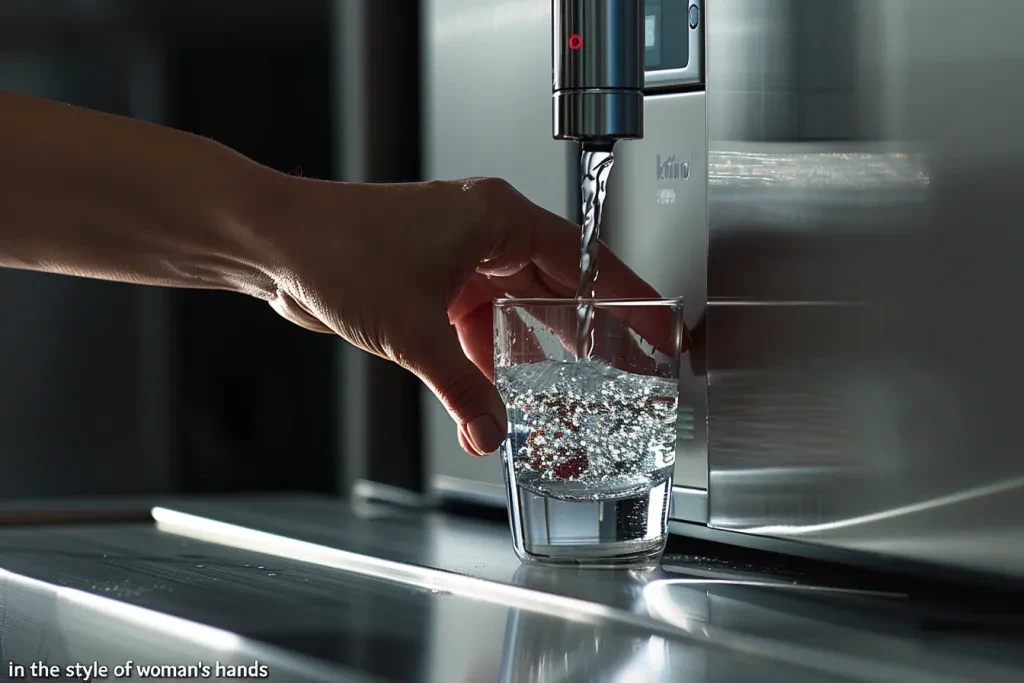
[(666, 34), (652, 51)]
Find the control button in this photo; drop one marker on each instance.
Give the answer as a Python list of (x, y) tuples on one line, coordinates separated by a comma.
[(694, 16), (575, 41)]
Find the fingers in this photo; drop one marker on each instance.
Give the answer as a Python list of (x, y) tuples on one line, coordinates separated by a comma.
[(462, 388), (483, 289), (464, 442), (619, 329), (535, 249), (472, 314), (614, 342), (476, 336), (527, 233), (290, 309)]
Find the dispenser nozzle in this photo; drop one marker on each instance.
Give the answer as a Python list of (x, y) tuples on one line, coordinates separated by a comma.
[(598, 63)]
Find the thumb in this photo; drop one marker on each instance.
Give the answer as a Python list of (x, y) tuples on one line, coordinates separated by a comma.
[(466, 393)]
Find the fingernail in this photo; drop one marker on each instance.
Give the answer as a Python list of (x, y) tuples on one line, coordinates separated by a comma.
[(485, 434)]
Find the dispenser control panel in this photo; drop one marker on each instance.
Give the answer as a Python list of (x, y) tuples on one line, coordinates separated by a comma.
[(673, 44)]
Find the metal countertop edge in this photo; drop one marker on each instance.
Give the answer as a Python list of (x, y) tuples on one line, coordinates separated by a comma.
[(667, 623), (179, 628)]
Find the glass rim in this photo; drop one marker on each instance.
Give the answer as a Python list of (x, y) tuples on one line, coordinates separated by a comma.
[(598, 301)]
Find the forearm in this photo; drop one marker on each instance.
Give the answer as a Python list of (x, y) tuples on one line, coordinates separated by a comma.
[(102, 196)]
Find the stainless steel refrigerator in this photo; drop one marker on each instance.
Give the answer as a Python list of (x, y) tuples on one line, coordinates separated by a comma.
[(845, 233)]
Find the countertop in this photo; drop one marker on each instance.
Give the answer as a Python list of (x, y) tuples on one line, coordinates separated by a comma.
[(318, 589)]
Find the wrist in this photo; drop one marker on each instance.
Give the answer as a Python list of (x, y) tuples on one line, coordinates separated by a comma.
[(296, 227), (255, 227)]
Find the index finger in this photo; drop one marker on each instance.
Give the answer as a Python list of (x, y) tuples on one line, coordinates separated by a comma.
[(525, 232)]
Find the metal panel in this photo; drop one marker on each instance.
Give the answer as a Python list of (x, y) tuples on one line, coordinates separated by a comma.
[(689, 504), (865, 163), (656, 217), (487, 87), (487, 94)]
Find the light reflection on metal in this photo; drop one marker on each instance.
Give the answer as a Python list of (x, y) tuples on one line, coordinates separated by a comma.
[(649, 663), (665, 618), (923, 506), (147, 619), (657, 592), (658, 597), (850, 170), (506, 15), (212, 531)]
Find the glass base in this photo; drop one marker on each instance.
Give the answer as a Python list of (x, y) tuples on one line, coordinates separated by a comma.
[(628, 531)]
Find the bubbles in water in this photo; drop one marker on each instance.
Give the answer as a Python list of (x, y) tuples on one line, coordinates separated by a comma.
[(587, 430)]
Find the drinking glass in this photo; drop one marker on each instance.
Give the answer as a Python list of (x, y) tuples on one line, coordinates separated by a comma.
[(591, 388)]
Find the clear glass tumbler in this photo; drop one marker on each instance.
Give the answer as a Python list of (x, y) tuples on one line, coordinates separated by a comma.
[(592, 393)]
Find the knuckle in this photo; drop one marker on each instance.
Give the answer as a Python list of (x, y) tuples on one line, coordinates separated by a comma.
[(495, 186), (458, 393), (487, 192), (489, 201)]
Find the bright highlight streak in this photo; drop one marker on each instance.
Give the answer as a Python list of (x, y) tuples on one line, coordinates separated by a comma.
[(660, 588), (560, 607), (150, 620), (665, 618), (923, 506)]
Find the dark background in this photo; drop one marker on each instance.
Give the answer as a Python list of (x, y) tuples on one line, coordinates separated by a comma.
[(116, 389)]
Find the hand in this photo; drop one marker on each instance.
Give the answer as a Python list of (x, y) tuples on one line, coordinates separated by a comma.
[(408, 272)]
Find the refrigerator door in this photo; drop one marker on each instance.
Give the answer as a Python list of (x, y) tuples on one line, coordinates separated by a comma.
[(865, 166)]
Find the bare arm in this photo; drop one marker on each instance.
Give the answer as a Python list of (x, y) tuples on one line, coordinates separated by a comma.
[(90, 194), (404, 271)]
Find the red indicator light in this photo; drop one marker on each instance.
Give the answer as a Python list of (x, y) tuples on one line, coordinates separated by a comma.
[(575, 41)]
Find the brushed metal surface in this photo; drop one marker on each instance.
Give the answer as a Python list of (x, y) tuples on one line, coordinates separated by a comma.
[(865, 165), (656, 221), (77, 631), (473, 127), (689, 504), (331, 591), (781, 627), (468, 490)]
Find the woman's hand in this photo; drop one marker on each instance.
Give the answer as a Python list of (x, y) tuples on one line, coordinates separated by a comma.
[(408, 272)]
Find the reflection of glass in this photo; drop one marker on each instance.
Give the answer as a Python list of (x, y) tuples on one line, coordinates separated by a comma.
[(591, 445), (541, 648)]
